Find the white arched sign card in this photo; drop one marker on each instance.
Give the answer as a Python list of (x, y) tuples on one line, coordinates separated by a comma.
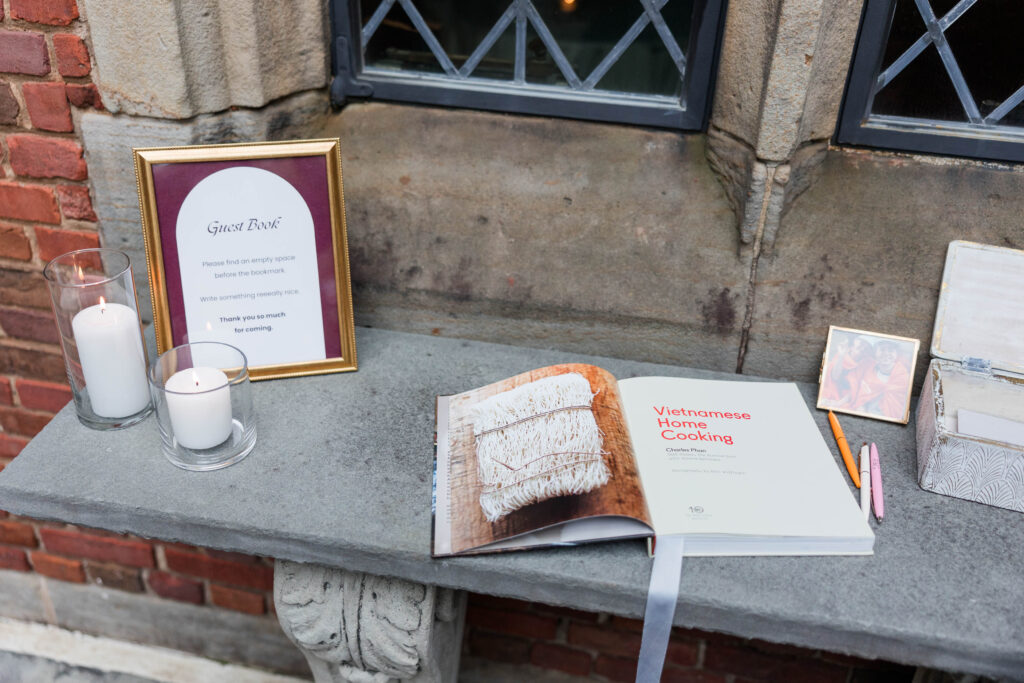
[(246, 245)]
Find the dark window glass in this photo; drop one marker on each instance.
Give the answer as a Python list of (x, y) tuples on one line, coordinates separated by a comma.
[(602, 59), (984, 41), (939, 75), (586, 31), (458, 25)]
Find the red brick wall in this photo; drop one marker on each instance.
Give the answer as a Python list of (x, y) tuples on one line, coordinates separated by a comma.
[(604, 648), (46, 210), (597, 646), (136, 565)]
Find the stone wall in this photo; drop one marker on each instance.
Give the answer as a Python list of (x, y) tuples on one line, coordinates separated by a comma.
[(655, 245), (598, 238)]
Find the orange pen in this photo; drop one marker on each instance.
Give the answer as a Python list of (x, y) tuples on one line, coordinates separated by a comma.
[(844, 448)]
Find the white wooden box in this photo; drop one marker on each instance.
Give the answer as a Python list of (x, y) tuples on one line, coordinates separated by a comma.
[(978, 364)]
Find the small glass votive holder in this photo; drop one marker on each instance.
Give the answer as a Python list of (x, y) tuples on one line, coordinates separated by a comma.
[(93, 297), (203, 401)]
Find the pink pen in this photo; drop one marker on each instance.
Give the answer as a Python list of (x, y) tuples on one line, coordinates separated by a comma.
[(876, 484)]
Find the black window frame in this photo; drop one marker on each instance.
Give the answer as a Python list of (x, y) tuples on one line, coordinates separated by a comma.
[(858, 127), (349, 80)]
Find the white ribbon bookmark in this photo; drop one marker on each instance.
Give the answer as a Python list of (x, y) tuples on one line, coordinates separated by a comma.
[(661, 607)]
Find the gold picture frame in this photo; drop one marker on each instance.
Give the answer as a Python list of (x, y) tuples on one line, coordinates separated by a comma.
[(867, 374), (178, 184)]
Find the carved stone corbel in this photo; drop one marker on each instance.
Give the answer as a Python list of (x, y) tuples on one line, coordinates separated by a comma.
[(781, 78), (362, 628)]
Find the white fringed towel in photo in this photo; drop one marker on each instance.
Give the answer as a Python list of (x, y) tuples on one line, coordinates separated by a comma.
[(537, 441)]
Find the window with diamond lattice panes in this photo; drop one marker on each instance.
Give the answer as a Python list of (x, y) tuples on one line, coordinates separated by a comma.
[(637, 61), (944, 76)]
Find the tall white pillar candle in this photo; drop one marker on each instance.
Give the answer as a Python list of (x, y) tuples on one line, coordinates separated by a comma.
[(199, 405), (113, 363)]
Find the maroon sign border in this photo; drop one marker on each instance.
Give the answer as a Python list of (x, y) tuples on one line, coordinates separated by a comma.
[(172, 182)]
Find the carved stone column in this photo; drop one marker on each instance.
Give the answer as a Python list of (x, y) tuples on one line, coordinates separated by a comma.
[(361, 628), (174, 59), (780, 82)]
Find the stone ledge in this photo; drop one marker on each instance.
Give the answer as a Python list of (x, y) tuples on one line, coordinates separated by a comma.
[(341, 477)]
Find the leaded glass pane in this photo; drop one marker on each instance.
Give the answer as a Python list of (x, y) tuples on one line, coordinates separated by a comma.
[(459, 25), (624, 46), (943, 76), (643, 62), (961, 71), (588, 33), (982, 40), (986, 41)]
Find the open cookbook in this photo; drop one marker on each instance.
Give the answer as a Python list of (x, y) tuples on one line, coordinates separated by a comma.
[(567, 454)]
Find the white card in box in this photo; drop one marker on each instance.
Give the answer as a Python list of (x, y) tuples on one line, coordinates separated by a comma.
[(977, 365)]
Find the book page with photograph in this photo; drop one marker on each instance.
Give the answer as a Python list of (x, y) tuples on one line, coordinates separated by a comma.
[(542, 458)]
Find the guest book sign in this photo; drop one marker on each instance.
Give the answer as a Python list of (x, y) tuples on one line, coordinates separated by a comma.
[(246, 245), (247, 252)]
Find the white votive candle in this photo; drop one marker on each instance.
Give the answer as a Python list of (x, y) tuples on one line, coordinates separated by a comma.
[(199, 405), (113, 362)]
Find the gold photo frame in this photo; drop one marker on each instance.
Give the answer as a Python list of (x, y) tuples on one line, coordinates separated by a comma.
[(867, 374), (247, 244)]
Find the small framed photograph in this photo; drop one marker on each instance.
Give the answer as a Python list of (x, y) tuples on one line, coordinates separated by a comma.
[(867, 374), (246, 244)]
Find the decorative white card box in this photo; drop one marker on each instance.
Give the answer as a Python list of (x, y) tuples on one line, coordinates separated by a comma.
[(977, 364)]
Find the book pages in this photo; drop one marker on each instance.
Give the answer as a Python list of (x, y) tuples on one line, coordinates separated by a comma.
[(739, 468)]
